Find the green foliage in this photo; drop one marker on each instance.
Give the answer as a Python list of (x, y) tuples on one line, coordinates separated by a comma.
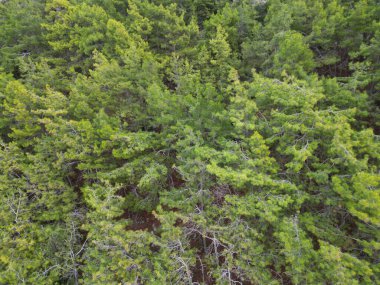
[(20, 33), (75, 31), (189, 142), (161, 27), (293, 56)]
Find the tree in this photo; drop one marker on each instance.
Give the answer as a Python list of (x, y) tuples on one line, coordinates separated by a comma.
[(21, 33), (189, 142)]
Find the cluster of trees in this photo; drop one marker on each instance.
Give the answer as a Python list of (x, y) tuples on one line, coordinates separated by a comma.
[(189, 142)]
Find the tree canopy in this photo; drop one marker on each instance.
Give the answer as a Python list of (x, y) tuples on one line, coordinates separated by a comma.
[(189, 142)]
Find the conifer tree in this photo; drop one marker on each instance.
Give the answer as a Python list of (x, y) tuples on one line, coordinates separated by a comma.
[(189, 142)]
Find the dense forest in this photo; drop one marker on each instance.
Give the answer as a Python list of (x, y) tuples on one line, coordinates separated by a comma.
[(189, 142)]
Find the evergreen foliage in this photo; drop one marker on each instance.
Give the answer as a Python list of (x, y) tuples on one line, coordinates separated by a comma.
[(189, 142)]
